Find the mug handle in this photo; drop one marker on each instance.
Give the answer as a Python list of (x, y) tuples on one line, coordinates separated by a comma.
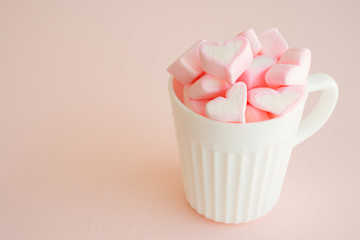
[(324, 107)]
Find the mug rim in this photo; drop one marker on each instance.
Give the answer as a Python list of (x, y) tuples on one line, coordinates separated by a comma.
[(176, 100)]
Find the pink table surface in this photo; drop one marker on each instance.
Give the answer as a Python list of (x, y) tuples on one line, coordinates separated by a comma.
[(87, 146)]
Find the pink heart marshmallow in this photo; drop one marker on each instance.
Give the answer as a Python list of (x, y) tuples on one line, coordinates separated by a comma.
[(252, 114), (285, 74), (178, 89), (292, 68), (187, 67), (272, 43), (197, 106), (279, 102), (207, 87), (254, 76), (253, 39), (229, 109), (296, 56), (226, 61)]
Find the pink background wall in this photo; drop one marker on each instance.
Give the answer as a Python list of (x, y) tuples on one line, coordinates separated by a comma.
[(87, 146)]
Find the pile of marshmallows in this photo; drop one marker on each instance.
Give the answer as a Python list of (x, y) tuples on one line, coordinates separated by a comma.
[(248, 78)]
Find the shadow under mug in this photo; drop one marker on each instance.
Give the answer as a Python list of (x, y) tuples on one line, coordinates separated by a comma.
[(232, 172)]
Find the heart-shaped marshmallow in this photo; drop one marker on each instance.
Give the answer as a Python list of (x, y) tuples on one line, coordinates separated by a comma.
[(297, 56), (272, 43), (226, 61), (252, 114), (253, 39), (229, 109), (197, 106), (187, 67), (178, 89), (292, 68), (254, 76), (207, 87), (285, 75), (279, 101)]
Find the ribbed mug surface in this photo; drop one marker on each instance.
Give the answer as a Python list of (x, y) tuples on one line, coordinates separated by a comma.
[(232, 187)]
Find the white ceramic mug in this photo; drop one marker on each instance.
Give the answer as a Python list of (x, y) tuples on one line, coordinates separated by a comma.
[(233, 173)]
